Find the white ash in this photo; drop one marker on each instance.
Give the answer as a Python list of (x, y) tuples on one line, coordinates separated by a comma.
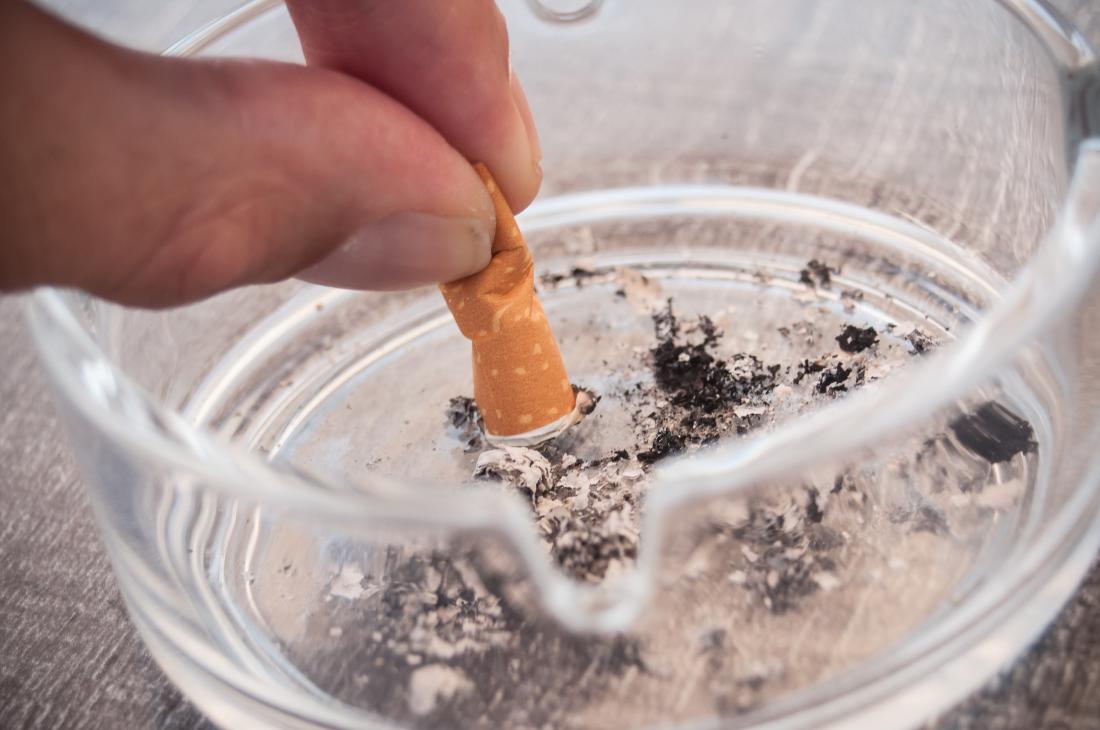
[(348, 583), (525, 469), (434, 682)]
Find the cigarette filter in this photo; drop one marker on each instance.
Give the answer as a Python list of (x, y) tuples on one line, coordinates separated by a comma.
[(520, 383)]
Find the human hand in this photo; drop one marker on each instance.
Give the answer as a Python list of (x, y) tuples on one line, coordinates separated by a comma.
[(155, 181)]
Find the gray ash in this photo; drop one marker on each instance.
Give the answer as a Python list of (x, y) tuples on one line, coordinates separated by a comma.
[(464, 419), (526, 470), (442, 615), (587, 549), (919, 341), (583, 510), (855, 339)]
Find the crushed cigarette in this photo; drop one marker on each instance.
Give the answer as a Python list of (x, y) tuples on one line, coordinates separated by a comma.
[(520, 383)]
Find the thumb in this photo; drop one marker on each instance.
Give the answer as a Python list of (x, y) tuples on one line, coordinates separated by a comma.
[(448, 62), (156, 181)]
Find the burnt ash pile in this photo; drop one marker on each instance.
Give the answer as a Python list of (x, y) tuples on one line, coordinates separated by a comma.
[(588, 511), (703, 390), (453, 635), (695, 377)]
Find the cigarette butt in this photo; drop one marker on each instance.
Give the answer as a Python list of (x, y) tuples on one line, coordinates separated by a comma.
[(520, 383)]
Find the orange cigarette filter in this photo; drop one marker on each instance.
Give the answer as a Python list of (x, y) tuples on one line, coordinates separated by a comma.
[(520, 383)]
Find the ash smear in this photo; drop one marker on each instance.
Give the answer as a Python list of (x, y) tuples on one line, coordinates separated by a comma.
[(579, 275), (752, 582)]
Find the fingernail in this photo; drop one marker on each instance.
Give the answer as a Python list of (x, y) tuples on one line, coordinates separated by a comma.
[(406, 250), (520, 99), (516, 163)]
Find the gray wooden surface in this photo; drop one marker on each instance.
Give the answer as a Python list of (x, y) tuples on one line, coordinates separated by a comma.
[(69, 657)]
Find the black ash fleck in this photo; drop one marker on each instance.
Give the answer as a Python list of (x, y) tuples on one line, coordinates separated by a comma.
[(994, 433), (855, 339), (817, 274)]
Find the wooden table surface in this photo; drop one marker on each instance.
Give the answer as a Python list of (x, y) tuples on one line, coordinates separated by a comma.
[(69, 657)]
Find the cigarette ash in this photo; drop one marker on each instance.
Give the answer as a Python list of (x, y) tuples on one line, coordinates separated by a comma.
[(585, 511), (855, 339), (702, 388), (994, 433), (920, 342), (817, 274), (524, 469), (588, 512), (698, 392), (430, 639), (449, 637), (464, 422)]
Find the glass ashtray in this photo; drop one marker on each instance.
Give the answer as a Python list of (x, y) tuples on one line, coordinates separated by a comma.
[(831, 283)]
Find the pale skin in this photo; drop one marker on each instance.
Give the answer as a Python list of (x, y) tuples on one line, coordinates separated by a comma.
[(156, 182)]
